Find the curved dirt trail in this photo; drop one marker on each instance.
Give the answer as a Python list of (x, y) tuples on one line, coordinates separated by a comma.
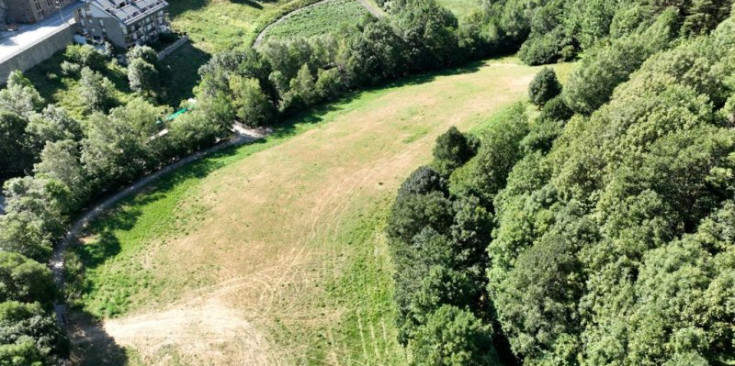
[(276, 236), (242, 136)]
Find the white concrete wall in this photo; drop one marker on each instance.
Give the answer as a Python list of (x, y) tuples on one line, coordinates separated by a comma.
[(38, 52)]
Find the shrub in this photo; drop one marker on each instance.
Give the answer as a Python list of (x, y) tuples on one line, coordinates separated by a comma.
[(87, 56), (556, 109), (544, 87), (453, 337)]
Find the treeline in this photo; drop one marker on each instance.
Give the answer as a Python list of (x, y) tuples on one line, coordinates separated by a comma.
[(67, 164), (281, 78), (596, 233), (553, 30)]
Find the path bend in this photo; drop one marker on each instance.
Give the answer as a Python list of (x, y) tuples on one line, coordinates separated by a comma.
[(242, 136)]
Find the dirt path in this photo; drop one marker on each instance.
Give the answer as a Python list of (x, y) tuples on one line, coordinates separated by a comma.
[(376, 12), (242, 136), (283, 261)]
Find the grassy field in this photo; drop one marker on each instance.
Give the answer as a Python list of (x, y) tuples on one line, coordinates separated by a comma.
[(320, 19), (218, 25), (273, 253), (460, 8)]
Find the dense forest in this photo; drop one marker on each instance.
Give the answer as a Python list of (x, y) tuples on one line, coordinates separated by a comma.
[(595, 233), (598, 231)]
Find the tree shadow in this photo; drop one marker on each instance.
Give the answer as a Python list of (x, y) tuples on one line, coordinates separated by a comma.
[(180, 73), (177, 7), (250, 3), (315, 114), (91, 345)]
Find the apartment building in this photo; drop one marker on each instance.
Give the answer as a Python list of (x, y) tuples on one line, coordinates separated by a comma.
[(123, 23), (32, 11)]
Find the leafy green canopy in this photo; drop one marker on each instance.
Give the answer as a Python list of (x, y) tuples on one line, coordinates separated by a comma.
[(609, 233)]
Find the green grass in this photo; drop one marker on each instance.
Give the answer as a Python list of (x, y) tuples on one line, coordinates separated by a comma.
[(295, 221), (104, 289), (460, 8), (219, 25), (181, 73), (320, 19)]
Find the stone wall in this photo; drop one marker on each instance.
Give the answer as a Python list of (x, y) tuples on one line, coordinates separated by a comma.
[(38, 52), (170, 49)]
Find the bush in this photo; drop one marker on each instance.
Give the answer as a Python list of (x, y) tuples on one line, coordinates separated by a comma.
[(452, 150), (547, 48), (556, 109), (453, 337), (86, 56), (544, 87)]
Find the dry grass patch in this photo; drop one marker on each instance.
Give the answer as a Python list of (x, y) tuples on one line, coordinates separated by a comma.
[(278, 256)]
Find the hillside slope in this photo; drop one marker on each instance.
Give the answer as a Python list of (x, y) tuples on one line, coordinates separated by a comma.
[(278, 256)]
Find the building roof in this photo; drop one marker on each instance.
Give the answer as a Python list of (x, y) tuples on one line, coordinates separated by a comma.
[(130, 11)]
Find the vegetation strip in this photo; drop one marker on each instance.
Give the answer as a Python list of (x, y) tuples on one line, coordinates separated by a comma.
[(57, 260)]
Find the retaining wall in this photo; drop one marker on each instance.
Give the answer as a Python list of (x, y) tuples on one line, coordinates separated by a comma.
[(170, 49), (38, 52)]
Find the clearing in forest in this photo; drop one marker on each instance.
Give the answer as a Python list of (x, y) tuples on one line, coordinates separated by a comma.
[(273, 253)]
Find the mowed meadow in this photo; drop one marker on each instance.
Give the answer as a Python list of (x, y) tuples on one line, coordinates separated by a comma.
[(273, 253)]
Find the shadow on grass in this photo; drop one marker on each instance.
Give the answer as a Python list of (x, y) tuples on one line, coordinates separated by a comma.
[(92, 345), (180, 73), (250, 3), (95, 347), (316, 114), (126, 213), (178, 7)]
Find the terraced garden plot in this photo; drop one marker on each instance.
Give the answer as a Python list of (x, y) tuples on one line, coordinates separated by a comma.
[(323, 18)]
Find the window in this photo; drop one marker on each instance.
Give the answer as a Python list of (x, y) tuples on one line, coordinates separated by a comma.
[(102, 24)]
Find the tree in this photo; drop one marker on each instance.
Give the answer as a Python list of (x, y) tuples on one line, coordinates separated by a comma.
[(250, 102), (14, 153), (20, 96), (193, 131), (423, 180), (485, 175), (143, 77), (144, 53), (302, 88), (114, 152), (704, 16), (95, 90), (29, 336), (25, 280), (61, 161), (452, 150), (453, 337), (141, 116), (86, 56), (556, 109), (544, 87), (412, 212)]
